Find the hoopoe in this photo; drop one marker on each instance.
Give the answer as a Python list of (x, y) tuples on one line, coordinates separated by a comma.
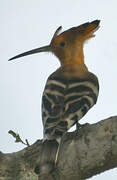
[(69, 92)]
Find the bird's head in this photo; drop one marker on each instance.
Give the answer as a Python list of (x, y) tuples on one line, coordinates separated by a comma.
[(68, 45)]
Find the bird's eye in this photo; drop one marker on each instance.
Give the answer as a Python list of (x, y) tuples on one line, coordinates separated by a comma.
[(62, 44)]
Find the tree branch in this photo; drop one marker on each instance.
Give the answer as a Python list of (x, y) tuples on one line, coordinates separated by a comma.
[(82, 154)]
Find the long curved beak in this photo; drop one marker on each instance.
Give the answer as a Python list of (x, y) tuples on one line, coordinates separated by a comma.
[(33, 51)]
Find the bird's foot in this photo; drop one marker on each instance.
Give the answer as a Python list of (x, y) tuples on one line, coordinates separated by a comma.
[(79, 126)]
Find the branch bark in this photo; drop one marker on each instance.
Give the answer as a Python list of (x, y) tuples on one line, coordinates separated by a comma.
[(83, 154)]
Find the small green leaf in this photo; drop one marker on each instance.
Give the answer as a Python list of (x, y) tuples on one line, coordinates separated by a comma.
[(12, 133), (17, 138)]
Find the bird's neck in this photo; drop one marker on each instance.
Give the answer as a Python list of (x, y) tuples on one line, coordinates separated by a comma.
[(76, 58)]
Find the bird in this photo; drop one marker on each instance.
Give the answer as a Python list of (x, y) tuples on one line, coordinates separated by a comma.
[(69, 92)]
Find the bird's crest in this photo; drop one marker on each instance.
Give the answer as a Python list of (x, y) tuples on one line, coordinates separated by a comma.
[(67, 45)]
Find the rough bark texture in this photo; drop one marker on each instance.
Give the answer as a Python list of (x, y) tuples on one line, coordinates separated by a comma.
[(82, 154)]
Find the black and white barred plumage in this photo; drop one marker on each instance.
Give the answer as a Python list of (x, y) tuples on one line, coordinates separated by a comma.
[(65, 101)]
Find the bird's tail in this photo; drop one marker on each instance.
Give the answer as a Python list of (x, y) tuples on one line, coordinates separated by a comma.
[(48, 155)]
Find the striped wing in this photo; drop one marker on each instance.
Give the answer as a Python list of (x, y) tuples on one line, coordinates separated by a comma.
[(65, 102), (81, 95), (53, 107)]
